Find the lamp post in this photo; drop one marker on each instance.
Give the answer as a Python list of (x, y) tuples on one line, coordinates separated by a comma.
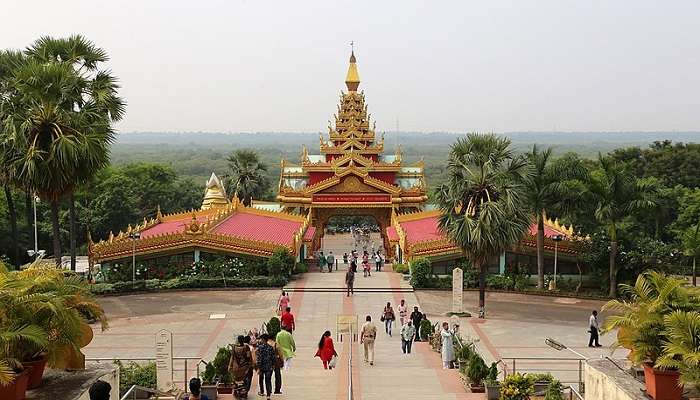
[(133, 236), (557, 239), (36, 253), (559, 346)]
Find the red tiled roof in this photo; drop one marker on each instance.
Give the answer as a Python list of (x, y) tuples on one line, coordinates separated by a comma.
[(309, 234), (421, 230), (170, 226), (391, 234), (259, 227), (548, 231)]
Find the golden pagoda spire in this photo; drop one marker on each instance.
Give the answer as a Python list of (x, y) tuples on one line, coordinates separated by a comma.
[(352, 80)]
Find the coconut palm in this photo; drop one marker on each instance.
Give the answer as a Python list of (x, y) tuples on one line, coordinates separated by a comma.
[(682, 346), (482, 203), (616, 194), (248, 177), (548, 191)]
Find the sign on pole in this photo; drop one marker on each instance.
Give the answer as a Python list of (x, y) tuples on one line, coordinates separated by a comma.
[(164, 360), (457, 288)]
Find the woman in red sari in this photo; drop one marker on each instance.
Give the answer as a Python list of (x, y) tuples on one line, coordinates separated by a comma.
[(326, 351)]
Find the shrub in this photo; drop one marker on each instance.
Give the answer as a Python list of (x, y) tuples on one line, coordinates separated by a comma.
[(136, 374), (500, 282), (301, 268), (554, 391), (516, 387), (421, 272), (220, 364), (477, 370), (273, 327), (280, 263), (401, 268), (193, 282), (471, 277), (541, 378), (426, 329)]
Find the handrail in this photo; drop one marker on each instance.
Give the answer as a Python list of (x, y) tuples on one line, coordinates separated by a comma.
[(573, 392), (578, 360), (185, 370), (147, 390), (350, 388)]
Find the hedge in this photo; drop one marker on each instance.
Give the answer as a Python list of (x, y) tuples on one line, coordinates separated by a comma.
[(152, 285)]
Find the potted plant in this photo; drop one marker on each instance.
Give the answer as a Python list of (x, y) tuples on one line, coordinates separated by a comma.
[(516, 387), (640, 321), (681, 350), (493, 388), (540, 382), (224, 379), (554, 391), (209, 382), (14, 384), (477, 372)]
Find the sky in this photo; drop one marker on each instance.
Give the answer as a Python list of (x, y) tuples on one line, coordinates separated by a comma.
[(456, 66)]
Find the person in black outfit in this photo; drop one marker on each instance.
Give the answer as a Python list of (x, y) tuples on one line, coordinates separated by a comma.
[(417, 317), (100, 390), (266, 363)]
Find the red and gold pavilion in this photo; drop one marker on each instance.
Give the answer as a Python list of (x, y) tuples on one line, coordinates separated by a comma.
[(351, 175)]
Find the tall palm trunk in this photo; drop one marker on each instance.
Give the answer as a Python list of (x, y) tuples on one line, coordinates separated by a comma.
[(56, 232), (613, 269), (72, 217), (540, 252), (12, 216), (28, 215), (482, 288)]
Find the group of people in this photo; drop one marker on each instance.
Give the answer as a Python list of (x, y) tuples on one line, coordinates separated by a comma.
[(366, 269), (326, 261)]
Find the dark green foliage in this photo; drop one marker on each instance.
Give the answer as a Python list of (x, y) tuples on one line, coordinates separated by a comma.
[(421, 272), (554, 391), (426, 329), (477, 370), (209, 375), (301, 267), (281, 263), (136, 374), (273, 327), (187, 283), (220, 364)]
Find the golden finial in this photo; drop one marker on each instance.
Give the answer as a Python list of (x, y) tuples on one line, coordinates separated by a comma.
[(159, 215), (352, 79)]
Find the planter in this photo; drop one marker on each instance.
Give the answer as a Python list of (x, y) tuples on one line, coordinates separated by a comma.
[(540, 387), (17, 389), (477, 388), (209, 391), (224, 388), (36, 372), (493, 391), (661, 384)]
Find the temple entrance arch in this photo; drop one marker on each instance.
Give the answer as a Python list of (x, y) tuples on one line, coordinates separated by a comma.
[(320, 218)]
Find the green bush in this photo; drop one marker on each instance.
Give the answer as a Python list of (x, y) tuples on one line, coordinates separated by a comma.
[(477, 370), (273, 327), (500, 282), (541, 378), (401, 268), (194, 282), (516, 387), (426, 329), (136, 374), (220, 364), (301, 268), (281, 263), (554, 391), (421, 272), (471, 277)]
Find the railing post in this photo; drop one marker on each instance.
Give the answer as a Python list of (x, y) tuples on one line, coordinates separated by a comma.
[(580, 376), (514, 365), (186, 382)]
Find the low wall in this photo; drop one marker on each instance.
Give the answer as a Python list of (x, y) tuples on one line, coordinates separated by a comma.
[(74, 385), (606, 381)]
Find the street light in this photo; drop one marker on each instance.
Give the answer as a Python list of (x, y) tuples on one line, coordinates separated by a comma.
[(561, 346), (36, 253), (133, 236), (557, 239)]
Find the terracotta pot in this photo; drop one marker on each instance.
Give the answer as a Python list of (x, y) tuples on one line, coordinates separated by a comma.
[(224, 388), (36, 372), (477, 389), (17, 389), (661, 384)]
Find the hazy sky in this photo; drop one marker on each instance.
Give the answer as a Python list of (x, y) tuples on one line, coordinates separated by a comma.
[(457, 66)]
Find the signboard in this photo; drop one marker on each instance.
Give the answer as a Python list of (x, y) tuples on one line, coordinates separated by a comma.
[(457, 290), (351, 198), (164, 360)]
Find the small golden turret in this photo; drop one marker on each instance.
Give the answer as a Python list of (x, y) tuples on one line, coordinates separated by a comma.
[(352, 80), (215, 194)]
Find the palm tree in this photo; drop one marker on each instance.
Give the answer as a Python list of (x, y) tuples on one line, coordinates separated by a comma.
[(248, 177), (547, 191), (682, 346), (690, 239), (616, 194), (483, 205), (97, 103)]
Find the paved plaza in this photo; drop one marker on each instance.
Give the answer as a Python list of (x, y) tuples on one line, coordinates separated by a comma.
[(201, 321)]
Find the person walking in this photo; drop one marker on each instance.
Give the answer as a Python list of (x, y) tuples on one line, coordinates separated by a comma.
[(277, 367), (407, 333), (388, 317), (241, 368), (285, 341), (448, 350), (326, 350), (330, 261), (321, 262), (345, 259), (353, 265), (350, 281), (283, 302), (377, 262), (367, 336), (403, 312), (593, 329), (287, 320), (254, 361), (265, 355), (416, 318)]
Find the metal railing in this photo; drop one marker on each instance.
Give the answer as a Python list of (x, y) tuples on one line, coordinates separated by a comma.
[(574, 394), (185, 370), (134, 389), (512, 365)]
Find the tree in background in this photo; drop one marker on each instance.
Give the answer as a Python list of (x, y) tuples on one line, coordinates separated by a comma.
[(690, 240), (484, 210), (616, 194), (548, 188), (248, 179)]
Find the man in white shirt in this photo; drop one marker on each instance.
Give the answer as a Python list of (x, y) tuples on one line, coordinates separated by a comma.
[(593, 329), (367, 336)]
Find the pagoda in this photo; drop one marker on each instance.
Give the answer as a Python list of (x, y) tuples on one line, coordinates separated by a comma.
[(351, 175)]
